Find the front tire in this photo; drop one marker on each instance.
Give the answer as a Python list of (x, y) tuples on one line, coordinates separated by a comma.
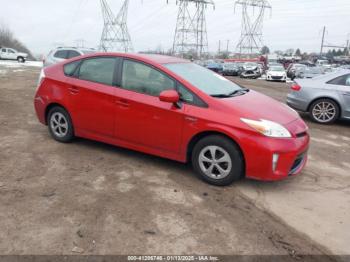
[(217, 160), (324, 111), (60, 125)]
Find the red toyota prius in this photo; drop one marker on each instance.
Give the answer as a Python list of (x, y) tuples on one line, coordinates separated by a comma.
[(172, 108)]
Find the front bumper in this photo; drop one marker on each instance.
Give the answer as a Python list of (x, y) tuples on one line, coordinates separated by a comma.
[(291, 154)]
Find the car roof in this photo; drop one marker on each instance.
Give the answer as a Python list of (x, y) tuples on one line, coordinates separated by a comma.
[(153, 58)]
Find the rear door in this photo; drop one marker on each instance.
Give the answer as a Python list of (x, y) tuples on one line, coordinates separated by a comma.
[(4, 54), (342, 85), (91, 92)]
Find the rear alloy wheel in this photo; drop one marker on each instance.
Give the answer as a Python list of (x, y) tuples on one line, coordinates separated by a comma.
[(217, 160), (20, 59), (324, 111), (60, 125)]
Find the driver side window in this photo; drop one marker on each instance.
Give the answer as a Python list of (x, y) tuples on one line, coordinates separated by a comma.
[(144, 79)]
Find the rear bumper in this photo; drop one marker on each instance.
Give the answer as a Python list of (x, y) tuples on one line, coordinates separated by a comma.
[(40, 107), (297, 103), (291, 154)]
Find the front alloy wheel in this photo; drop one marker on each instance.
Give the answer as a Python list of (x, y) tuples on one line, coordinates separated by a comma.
[(324, 111), (215, 162), (218, 160)]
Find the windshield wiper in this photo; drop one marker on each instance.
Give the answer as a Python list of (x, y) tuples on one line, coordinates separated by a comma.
[(234, 93), (239, 92)]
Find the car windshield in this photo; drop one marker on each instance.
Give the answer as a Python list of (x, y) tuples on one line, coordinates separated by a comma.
[(251, 64), (207, 81), (277, 68)]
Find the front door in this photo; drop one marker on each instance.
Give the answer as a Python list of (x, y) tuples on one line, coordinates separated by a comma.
[(141, 118), (91, 95)]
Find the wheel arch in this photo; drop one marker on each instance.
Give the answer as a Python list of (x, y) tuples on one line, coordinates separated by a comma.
[(50, 106), (194, 140), (325, 97)]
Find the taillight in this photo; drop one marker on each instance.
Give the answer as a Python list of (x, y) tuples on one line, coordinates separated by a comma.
[(41, 77), (296, 87)]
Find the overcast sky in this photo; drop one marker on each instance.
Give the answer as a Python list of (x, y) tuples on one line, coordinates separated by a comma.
[(40, 24)]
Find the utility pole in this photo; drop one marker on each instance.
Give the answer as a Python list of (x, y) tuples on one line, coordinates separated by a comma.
[(253, 12), (191, 30), (219, 47), (228, 42), (115, 35), (322, 43)]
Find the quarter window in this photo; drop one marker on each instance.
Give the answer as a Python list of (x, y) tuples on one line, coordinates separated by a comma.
[(342, 81), (100, 70), (69, 69), (144, 79), (61, 54)]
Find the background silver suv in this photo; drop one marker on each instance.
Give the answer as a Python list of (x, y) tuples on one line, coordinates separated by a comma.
[(61, 53)]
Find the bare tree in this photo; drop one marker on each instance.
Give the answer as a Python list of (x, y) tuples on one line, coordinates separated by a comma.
[(7, 39)]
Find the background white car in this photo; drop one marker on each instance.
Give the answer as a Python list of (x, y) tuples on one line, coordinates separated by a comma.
[(12, 54), (276, 73)]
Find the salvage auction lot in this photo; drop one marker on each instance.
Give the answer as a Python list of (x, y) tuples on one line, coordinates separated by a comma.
[(91, 198)]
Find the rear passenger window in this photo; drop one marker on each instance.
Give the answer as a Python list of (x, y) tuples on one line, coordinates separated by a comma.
[(100, 70), (61, 54), (72, 54), (70, 68)]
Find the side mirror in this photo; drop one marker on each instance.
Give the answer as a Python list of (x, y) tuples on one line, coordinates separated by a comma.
[(170, 96)]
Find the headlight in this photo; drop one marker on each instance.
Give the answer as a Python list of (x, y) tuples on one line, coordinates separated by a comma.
[(268, 128)]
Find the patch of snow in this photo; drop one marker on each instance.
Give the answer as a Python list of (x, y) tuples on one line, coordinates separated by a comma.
[(3, 72), (15, 64)]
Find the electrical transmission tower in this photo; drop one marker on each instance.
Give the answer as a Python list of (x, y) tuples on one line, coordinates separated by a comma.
[(253, 12), (191, 29), (115, 35)]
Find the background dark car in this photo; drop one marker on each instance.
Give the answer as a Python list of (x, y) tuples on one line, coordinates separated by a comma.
[(308, 72), (231, 69), (216, 67), (252, 74)]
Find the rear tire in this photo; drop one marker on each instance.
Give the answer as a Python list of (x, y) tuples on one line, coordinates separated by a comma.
[(218, 160), (324, 111), (60, 125)]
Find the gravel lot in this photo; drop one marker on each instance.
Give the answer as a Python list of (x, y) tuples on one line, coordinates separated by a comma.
[(94, 198)]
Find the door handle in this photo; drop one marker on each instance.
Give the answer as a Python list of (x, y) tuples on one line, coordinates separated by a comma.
[(346, 93), (122, 102), (73, 90)]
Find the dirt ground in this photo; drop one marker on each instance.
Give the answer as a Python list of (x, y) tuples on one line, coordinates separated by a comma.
[(94, 198)]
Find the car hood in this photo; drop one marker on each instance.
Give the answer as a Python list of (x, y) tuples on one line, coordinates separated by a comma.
[(276, 73), (256, 106)]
